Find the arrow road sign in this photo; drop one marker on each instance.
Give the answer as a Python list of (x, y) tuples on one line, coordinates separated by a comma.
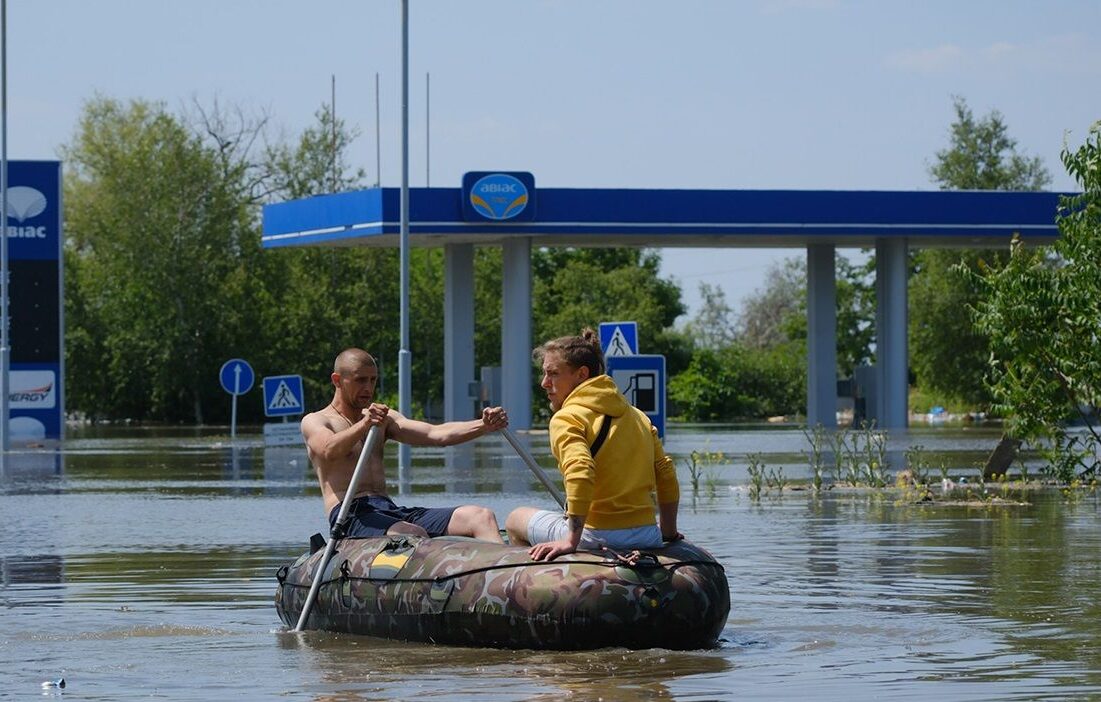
[(236, 376)]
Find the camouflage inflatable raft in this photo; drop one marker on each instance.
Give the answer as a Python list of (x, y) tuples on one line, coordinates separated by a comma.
[(454, 590)]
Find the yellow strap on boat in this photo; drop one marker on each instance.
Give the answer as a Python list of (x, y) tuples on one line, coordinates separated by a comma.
[(389, 560)]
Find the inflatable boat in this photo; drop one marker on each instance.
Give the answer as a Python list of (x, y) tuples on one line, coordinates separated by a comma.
[(455, 590)]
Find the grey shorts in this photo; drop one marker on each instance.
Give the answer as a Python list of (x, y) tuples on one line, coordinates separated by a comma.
[(552, 526)]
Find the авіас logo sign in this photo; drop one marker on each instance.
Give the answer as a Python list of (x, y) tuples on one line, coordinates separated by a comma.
[(498, 197), (25, 203)]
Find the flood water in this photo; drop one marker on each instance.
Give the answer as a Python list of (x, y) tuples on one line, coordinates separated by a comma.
[(140, 564)]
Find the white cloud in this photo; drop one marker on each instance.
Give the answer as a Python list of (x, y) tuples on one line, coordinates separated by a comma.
[(1066, 52)]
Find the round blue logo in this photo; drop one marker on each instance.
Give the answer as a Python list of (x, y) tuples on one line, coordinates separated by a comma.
[(498, 196)]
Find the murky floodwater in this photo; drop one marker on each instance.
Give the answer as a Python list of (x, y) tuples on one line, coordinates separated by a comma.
[(142, 565)]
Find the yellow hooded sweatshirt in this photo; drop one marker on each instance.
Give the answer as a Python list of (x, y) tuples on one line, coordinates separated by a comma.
[(614, 490)]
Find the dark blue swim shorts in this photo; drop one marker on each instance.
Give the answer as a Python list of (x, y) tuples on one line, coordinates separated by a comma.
[(372, 515)]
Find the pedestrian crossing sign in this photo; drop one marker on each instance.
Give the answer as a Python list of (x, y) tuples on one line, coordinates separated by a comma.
[(619, 338), (283, 395)]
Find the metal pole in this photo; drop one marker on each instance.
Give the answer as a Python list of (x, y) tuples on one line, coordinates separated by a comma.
[(427, 130), (405, 356), (378, 139), (233, 405), (5, 349), (333, 125)]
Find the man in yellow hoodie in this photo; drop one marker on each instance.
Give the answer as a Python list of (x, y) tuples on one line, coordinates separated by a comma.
[(610, 457)]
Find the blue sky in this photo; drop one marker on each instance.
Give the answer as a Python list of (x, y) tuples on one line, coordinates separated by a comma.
[(804, 94)]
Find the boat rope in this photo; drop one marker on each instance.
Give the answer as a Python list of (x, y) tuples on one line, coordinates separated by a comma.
[(345, 575)]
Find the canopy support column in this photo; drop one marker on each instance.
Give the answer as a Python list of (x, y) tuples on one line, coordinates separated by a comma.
[(891, 323), (516, 346), (458, 331), (821, 336)]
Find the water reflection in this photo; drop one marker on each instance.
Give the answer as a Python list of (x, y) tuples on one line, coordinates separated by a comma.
[(358, 665), (46, 569), (458, 466), (27, 469), (137, 564), (287, 470)]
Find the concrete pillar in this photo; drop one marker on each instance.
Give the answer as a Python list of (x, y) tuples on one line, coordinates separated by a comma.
[(892, 269), (821, 336), (458, 331), (516, 367)]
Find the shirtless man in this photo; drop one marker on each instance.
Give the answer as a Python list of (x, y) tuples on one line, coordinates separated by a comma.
[(334, 440)]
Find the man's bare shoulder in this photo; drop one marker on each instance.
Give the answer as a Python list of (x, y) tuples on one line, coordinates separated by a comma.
[(316, 420)]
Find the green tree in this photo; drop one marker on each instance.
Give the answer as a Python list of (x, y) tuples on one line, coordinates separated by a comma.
[(778, 314), (578, 287), (770, 315), (311, 302), (487, 306), (855, 314), (155, 229), (1040, 312), (738, 382), (165, 275), (948, 354), (573, 288), (713, 327), (982, 156)]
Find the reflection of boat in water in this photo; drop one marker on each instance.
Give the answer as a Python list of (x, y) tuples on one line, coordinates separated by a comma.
[(455, 590)]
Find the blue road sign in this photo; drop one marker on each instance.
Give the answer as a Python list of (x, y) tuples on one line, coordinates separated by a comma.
[(619, 338), (642, 380), (283, 395), (236, 376)]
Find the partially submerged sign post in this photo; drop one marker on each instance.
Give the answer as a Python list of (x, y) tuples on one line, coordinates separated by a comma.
[(236, 377)]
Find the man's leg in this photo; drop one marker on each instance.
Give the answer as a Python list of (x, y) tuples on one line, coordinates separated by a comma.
[(516, 524), (472, 520)]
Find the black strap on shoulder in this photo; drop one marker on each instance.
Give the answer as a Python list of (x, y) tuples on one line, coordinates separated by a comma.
[(603, 434)]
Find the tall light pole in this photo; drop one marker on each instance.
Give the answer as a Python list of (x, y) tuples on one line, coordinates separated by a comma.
[(405, 356)]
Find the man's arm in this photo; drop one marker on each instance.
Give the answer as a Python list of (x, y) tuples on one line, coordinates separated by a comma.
[(667, 516), (417, 433), (575, 461), (668, 490), (328, 444)]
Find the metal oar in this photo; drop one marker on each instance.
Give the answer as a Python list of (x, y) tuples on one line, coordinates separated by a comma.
[(539, 472), (337, 533)]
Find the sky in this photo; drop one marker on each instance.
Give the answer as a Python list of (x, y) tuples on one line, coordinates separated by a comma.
[(726, 94)]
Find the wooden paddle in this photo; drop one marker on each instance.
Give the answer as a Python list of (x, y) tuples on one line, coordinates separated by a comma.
[(373, 438), (539, 472)]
